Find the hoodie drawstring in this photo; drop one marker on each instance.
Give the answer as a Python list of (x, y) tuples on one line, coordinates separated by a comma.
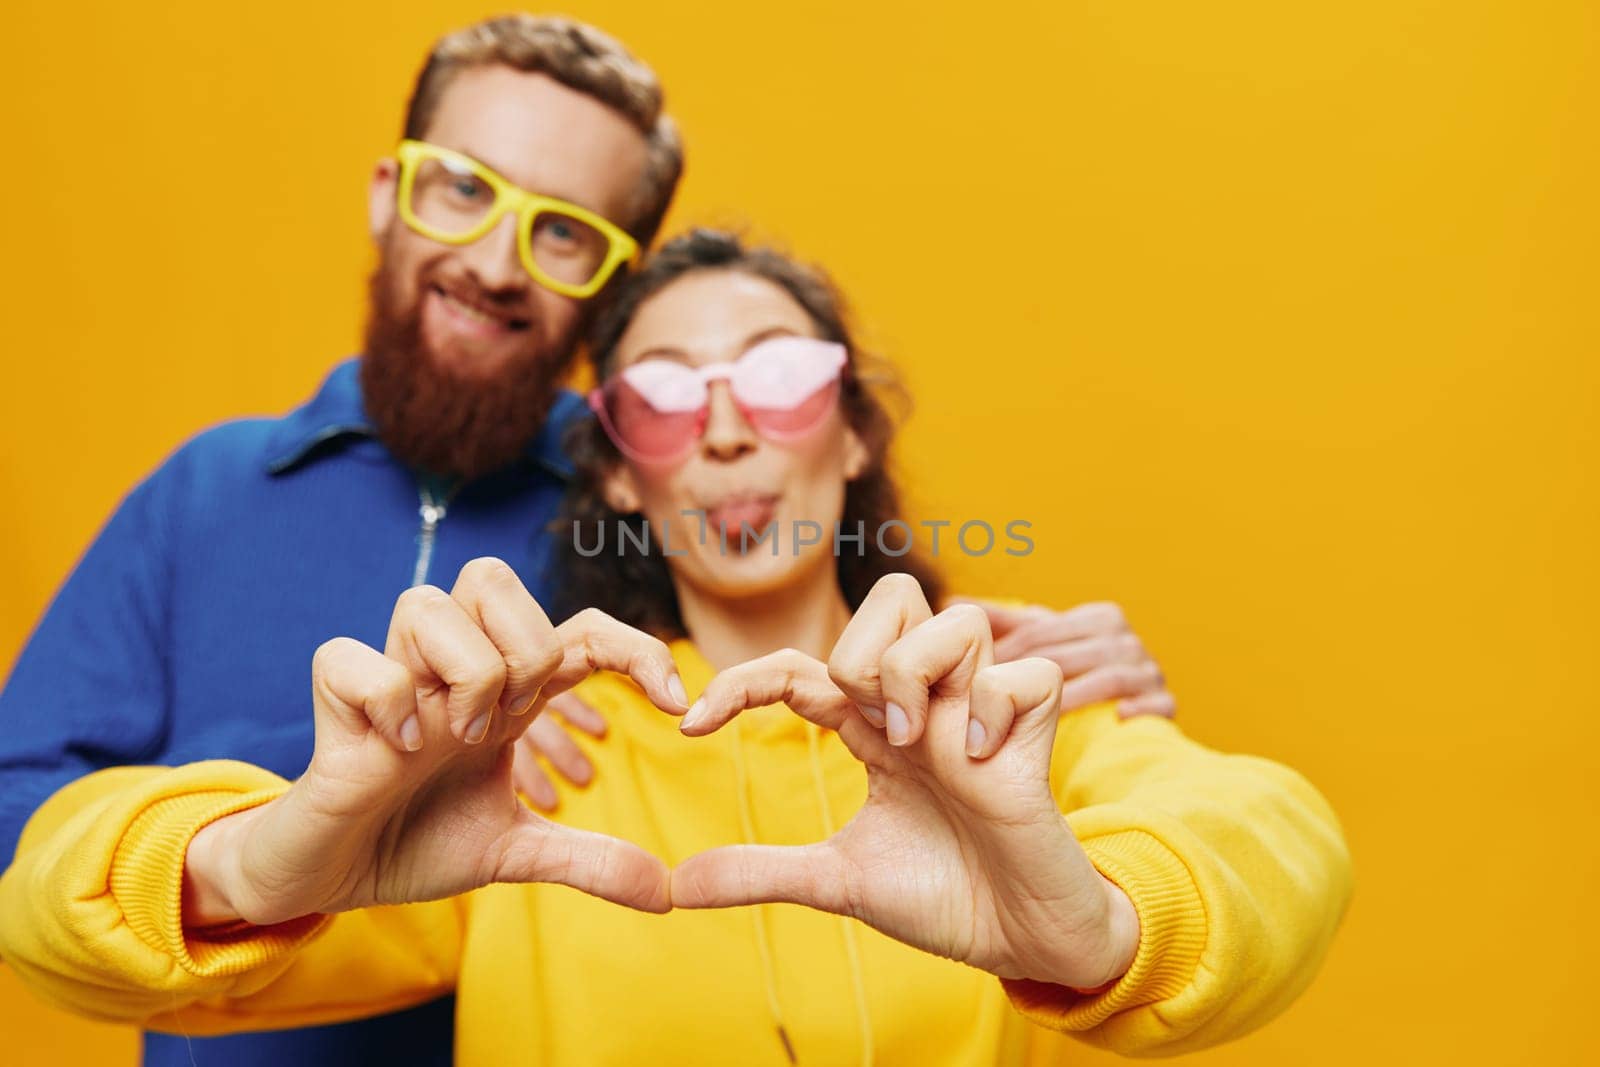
[(857, 978), (759, 913)]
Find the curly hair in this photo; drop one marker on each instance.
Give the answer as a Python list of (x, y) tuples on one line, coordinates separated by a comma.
[(636, 587)]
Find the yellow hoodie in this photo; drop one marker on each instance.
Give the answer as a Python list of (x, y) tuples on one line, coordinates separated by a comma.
[(1235, 864)]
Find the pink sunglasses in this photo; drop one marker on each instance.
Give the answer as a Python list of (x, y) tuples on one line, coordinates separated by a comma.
[(655, 410)]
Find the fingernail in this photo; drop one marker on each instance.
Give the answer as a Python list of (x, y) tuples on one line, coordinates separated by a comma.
[(692, 719), (899, 725), (976, 735), (522, 709), (479, 728), (675, 687), (872, 715), (411, 734)]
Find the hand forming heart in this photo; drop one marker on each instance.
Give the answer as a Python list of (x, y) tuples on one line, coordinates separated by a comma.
[(959, 850), (408, 796)]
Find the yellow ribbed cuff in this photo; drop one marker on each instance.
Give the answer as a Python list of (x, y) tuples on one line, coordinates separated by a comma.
[(1172, 935), (147, 883)]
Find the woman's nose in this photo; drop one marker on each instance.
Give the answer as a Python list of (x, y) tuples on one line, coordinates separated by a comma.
[(728, 435)]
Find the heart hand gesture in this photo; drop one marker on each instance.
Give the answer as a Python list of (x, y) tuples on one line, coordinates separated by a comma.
[(409, 794), (960, 848)]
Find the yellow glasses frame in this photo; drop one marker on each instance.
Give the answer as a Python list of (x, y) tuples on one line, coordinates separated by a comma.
[(510, 198)]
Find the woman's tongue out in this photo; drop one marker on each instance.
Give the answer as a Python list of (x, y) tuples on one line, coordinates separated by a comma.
[(728, 516)]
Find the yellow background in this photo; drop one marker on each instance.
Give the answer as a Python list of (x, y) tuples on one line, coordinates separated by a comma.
[(1276, 320)]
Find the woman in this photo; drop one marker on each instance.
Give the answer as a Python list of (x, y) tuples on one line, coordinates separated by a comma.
[(1185, 899)]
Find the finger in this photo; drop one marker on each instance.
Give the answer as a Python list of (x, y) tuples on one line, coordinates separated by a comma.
[(356, 688), (529, 777), (946, 651), (894, 605), (594, 641), (495, 598), (1111, 682), (1160, 702), (1096, 619), (571, 707), (1081, 655), (1004, 618), (447, 654), (787, 675), (551, 741), (1010, 699), (814, 875), (618, 871)]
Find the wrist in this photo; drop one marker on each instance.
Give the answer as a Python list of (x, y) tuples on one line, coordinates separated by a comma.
[(210, 872), (1121, 938)]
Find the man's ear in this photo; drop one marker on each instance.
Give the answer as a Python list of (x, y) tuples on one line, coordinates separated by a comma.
[(381, 196), (856, 456), (620, 490)]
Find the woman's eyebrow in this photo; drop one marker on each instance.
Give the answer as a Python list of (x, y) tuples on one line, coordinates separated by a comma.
[(661, 352), (677, 355), (767, 334)]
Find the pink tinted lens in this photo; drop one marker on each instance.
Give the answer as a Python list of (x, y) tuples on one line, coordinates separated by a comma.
[(642, 431), (794, 421), (787, 386)]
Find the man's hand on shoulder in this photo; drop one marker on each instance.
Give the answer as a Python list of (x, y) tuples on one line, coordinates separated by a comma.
[(1100, 656)]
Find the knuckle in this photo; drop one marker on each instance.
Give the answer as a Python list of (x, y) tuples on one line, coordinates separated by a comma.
[(1103, 616), (864, 684), (967, 616), (1126, 677), (391, 680), (419, 597), (792, 661), (898, 583), (1103, 648), (486, 570), (658, 648), (1051, 673), (329, 651), (590, 618), (850, 667), (897, 661)]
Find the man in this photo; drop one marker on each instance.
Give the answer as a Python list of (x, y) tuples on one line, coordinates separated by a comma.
[(536, 159)]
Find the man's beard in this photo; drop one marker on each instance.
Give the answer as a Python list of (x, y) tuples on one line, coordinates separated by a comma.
[(436, 421)]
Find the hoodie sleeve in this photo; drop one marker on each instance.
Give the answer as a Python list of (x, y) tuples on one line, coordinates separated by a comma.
[(91, 918), (1236, 866)]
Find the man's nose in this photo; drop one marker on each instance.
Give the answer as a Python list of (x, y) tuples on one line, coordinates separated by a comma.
[(494, 259), (728, 435)]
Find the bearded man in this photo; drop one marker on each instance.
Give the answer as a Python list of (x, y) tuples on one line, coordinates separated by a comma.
[(535, 163), (535, 160)]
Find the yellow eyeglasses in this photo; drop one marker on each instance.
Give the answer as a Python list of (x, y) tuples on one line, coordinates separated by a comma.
[(450, 197)]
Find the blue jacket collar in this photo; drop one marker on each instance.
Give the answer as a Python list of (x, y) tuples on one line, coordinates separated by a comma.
[(338, 410)]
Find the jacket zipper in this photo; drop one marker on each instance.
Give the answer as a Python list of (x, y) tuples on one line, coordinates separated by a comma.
[(432, 512)]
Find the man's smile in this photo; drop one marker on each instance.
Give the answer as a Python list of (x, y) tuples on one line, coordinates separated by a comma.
[(466, 315)]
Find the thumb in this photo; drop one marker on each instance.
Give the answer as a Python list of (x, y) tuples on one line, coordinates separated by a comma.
[(537, 850), (814, 875)]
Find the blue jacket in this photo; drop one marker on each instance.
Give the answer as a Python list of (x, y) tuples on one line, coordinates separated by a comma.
[(186, 631)]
